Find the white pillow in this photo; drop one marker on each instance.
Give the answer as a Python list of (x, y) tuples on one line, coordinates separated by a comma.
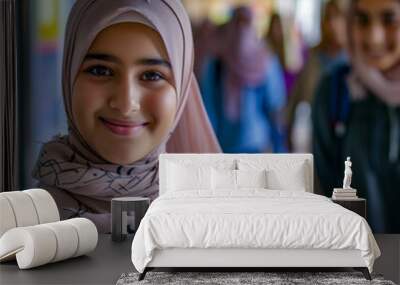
[(280, 174), (292, 179), (278, 180), (181, 177), (251, 178), (223, 179)]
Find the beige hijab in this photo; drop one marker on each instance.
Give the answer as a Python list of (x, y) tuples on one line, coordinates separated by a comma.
[(69, 164)]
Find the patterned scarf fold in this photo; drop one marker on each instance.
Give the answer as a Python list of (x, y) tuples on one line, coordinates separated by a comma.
[(61, 165)]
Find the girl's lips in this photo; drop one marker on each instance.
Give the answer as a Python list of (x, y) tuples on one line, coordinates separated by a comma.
[(124, 128)]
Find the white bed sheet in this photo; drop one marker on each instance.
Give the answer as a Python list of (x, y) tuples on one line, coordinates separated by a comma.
[(252, 218)]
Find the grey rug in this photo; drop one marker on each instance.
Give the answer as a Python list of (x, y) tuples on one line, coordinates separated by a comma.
[(229, 278)]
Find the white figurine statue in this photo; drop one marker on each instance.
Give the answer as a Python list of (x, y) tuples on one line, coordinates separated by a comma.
[(347, 174)]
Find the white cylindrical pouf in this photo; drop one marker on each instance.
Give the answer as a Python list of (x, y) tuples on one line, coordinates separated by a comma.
[(7, 218), (23, 208), (45, 205), (40, 244), (87, 235), (33, 246), (67, 240), (26, 208)]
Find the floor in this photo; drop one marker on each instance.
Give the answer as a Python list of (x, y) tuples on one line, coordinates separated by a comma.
[(110, 260), (389, 262)]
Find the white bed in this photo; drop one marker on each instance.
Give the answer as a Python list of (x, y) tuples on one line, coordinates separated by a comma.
[(282, 224)]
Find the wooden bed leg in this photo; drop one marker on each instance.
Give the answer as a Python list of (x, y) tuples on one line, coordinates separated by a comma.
[(364, 271), (142, 275)]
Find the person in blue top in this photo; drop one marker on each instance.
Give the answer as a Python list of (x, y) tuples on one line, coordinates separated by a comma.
[(243, 90), (356, 113)]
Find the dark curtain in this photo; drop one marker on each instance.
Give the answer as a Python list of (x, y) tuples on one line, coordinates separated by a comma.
[(8, 97)]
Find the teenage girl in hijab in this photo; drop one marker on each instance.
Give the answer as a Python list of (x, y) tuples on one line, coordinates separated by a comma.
[(356, 113), (243, 89), (129, 94)]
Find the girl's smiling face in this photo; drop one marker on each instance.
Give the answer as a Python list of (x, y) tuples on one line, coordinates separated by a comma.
[(124, 99), (376, 32)]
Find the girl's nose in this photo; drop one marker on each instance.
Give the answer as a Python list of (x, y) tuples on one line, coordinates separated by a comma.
[(126, 98), (376, 37)]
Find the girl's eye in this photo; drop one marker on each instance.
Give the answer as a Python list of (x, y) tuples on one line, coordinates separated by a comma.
[(99, 70), (151, 76), (389, 19)]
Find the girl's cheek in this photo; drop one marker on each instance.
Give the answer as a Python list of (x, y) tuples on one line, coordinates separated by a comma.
[(394, 40), (89, 96), (161, 106)]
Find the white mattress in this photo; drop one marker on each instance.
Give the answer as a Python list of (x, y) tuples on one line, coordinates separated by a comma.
[(252, 218)]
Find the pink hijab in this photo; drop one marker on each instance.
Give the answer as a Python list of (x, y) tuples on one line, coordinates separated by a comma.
[(385, 86), (69, 164), (244, 56)]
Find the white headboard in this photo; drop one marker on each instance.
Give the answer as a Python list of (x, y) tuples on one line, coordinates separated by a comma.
[(205, 158)]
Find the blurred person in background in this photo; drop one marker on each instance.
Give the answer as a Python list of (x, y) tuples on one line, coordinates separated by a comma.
[(205, 44), (356, 113), (275, 37), (243, 89), (329, 52), (288, 45)]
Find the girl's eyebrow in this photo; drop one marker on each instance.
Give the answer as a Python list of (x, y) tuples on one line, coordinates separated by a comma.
[(102, 56), (144, 61), (154, 61)]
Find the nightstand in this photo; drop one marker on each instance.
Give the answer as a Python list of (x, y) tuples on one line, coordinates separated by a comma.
[(126, 214), (358, 205)]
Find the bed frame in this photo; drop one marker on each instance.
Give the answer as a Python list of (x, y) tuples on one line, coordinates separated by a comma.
[(248, 259), (260, 259)]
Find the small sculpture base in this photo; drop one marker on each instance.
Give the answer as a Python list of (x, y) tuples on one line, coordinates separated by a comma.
[(344, 194), (344, 190)]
